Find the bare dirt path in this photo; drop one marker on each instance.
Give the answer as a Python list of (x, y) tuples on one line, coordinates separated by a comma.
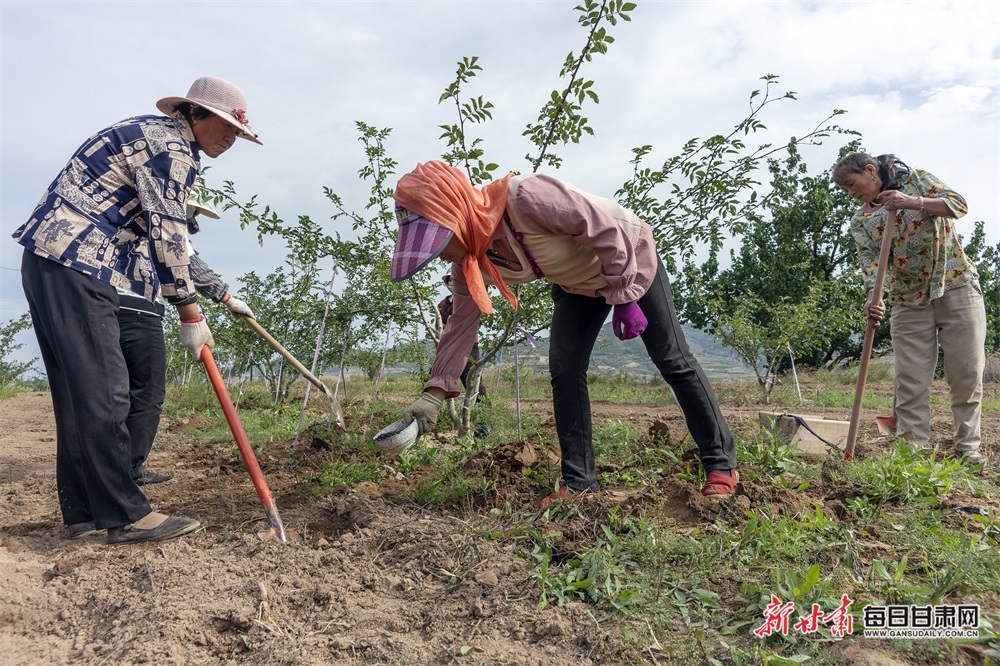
[(371, 583)]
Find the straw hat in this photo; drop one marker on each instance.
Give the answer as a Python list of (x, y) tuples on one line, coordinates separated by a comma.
[(219, 96)]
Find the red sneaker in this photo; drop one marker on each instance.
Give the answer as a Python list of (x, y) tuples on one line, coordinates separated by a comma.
[(720, 482), (563, 494)]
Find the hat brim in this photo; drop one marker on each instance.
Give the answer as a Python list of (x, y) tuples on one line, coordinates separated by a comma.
[(420, 241), (169, 104), (205, 209)]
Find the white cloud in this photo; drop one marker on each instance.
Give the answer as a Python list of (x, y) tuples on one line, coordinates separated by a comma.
[(920, 79)]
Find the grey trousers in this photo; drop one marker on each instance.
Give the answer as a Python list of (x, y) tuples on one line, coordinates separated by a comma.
[(957, 322)]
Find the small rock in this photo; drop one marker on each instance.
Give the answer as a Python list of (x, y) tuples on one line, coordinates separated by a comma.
[(479, 609), (488, 578)]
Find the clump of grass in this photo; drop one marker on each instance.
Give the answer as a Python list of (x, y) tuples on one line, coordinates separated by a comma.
[(614, 440), (768, 452), (449, 485), (636, 461), (625, 387), (195, 398), (343, 475), (902, 475), (600, 574)]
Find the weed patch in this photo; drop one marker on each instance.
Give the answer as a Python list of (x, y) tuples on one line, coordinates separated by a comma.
[(678, 577)]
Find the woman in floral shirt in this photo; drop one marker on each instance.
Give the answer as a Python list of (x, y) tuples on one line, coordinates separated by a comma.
[(933, 289)]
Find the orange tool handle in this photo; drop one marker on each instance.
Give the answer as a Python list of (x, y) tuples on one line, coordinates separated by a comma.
[(246, 451)]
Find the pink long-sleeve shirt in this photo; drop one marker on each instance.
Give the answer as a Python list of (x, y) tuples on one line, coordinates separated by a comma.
[(588, 245)]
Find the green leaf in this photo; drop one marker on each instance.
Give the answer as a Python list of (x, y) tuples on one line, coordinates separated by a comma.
[(707, 597), (733, 627)]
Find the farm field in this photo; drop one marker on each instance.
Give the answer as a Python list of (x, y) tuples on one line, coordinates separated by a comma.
[(440, 556)]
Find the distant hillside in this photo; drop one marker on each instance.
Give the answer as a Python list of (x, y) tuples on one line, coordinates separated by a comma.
[(612, 355)]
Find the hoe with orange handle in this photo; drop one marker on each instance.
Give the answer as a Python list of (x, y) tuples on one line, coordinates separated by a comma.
[(277, 530), (866, 351)]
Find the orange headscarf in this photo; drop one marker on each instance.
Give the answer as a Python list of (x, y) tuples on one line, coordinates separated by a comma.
[(442, 194)]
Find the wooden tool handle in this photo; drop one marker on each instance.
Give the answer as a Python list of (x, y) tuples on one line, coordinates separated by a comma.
[(286, 354), (866, 351)]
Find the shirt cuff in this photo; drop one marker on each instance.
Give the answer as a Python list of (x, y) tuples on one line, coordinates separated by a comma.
[(622, 296), (187, 300), (449, 386)]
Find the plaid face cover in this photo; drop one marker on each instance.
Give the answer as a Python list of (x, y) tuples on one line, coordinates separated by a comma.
[(419, 242)]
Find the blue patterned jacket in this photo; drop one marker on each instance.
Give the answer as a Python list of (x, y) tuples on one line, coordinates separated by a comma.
[(117, 209)]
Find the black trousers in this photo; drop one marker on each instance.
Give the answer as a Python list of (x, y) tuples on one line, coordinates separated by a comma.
[(75, 317), (576, 323), (144, 349), (474, 356)]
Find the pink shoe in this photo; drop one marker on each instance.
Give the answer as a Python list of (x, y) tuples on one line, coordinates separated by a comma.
[(562, 494), (720, 482)]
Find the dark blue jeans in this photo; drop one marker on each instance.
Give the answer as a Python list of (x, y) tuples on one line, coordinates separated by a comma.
[(141, 340), (576, 323), (75, 317)]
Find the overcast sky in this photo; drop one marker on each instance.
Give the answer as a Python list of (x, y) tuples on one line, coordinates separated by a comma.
[(920, 79)]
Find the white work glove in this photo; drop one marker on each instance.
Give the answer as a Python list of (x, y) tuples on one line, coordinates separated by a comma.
[(237, 307), (195, 334), (425, 411)]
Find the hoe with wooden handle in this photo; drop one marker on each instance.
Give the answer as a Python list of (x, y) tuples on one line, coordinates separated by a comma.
[(298, 366), (866, 350), (277, 530)]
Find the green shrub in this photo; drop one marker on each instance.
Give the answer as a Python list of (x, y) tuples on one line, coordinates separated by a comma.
[(905, 475), (11, 371)]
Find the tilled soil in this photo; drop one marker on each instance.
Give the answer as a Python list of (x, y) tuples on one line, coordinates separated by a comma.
[(374, 579)]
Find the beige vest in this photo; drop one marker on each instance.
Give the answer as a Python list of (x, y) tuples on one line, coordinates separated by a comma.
[(559, 256)]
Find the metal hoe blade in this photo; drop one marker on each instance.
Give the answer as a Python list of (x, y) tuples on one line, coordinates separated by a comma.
[(885, 425)]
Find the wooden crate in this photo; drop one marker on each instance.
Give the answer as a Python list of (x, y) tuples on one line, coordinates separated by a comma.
[(792, 428)]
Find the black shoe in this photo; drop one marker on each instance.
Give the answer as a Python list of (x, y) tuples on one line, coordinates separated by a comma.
[(168, 528), (971, 458), (80, 530), (151, 477)]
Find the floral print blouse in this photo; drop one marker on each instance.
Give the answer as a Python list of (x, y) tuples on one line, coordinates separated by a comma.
[(926, 258)]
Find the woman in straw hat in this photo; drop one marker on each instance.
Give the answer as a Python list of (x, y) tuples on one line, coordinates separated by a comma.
[(598, 256), (114, 217)]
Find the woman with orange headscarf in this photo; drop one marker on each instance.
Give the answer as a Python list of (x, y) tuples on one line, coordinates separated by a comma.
[(598, 256)]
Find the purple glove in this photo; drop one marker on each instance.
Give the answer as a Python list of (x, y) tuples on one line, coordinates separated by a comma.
[(628, 321)]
